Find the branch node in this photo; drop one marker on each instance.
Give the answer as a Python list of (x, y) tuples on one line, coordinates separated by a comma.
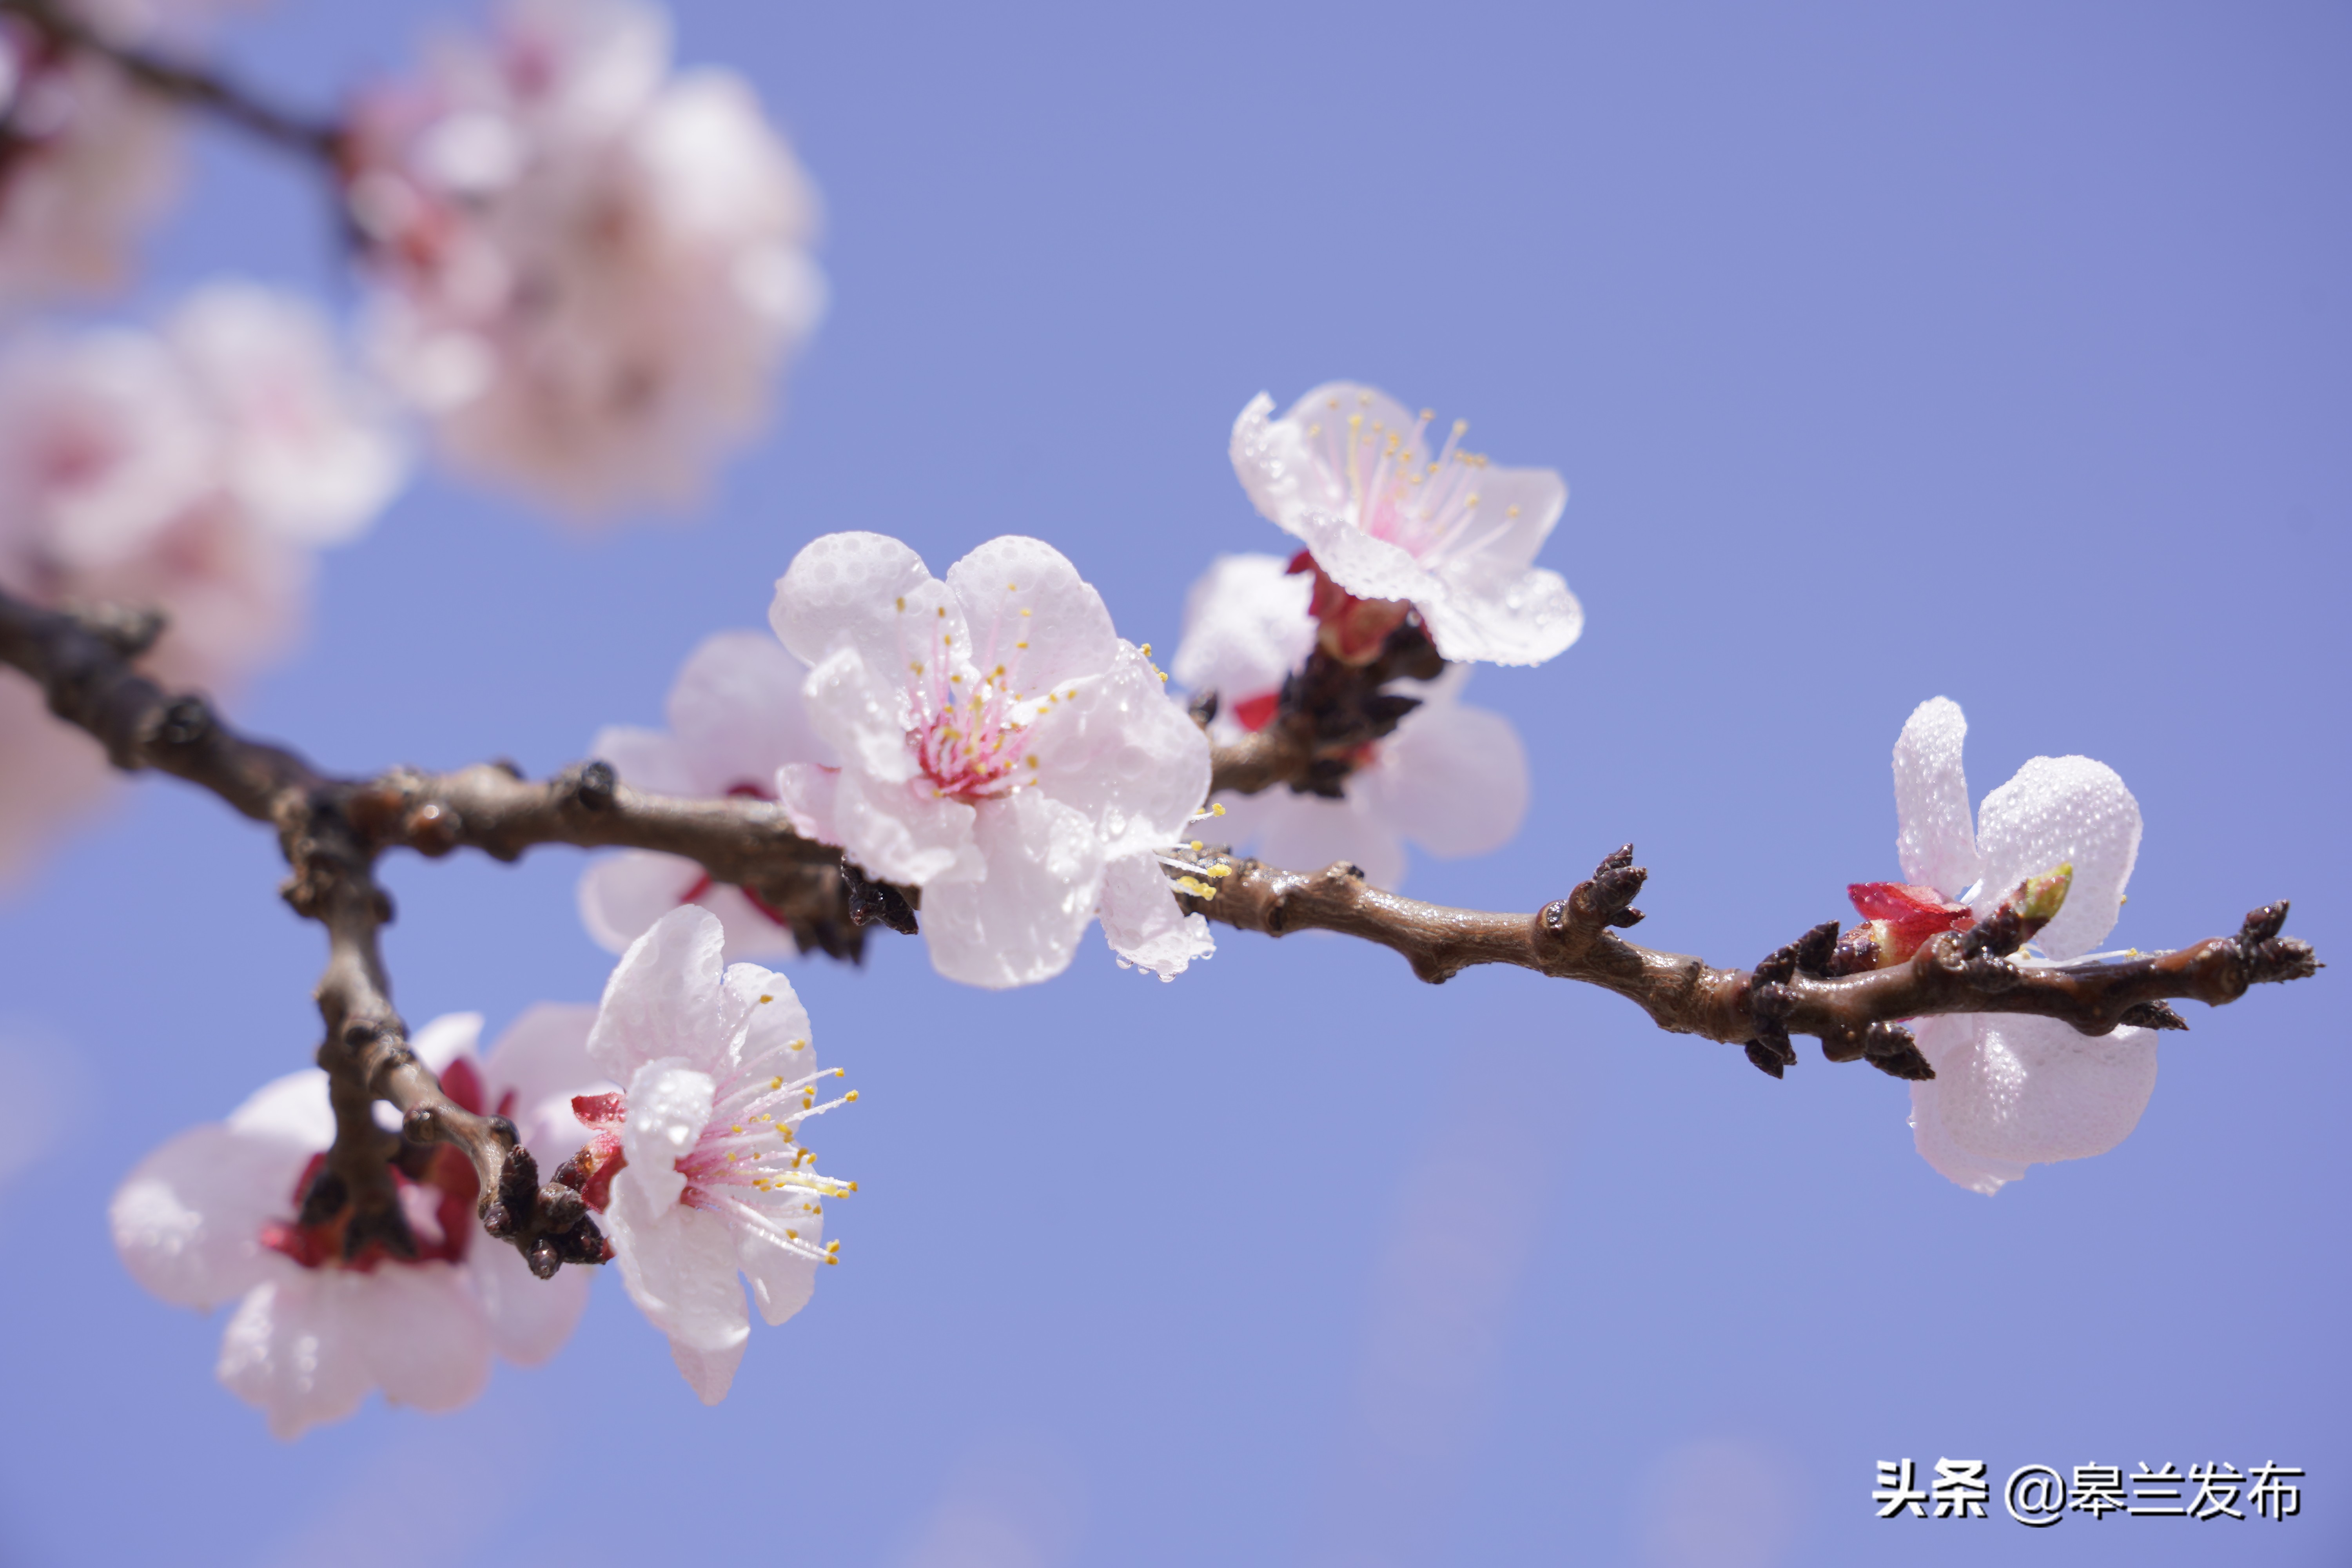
[(2152, 1015), (1893, 1050), (592, 786), (183, 721), (870, 900)]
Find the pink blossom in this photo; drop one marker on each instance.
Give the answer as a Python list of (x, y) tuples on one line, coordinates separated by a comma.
[(1451, 779), (90, 159), (1003, 749), (701, 1155), (590, 269), (1387, 527), (2011, 1090), (735, 717), (211, 1217), (191, 471)]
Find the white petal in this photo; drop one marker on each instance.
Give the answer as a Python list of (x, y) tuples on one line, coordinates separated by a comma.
[(1142, 920), (807, 792), (542, 1060), (1933, 839), (621, 895), (1521, 617), (2032, 1089), (781, 1279), (906, 833), (860, 708), (711, 1374), (778, 1040), (1452, 779), (2061, 809), (445, 1038), (528, 1317), (1367, 567), (1269, 460), (669, 1105), (292, 1111), (1517, 509), (422, 1333), (1308, 833), (679, 1267), (647, 760), (187, 1220), (1942, 1040), (1246, 628), (1126, 754), (738, 712), (291, 1350), (1067, 629), (664, 998), (840, 591), (1021, 923), (752, 932)]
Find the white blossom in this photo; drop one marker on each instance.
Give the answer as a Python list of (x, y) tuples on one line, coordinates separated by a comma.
[(736, 716), (712, 1178), (590, 269), (193, 472), (1003, 749), (1449, 778), (2012, 1089), (211, 1217), (1347, 472)]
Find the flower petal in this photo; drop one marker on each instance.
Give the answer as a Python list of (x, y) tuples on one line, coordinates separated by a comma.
[(291, 1350), (859, 707), (445, 1038), (1308, 833), (528, 1317), (647, 760), (781, 1280), (808, 793), (2032, 1089), (2061, 809), (679, 1267), (737, 710), (542, 1059), (621, 895), (669, 1105), (1143, 923), (187, 1221), (906, 833), (1517, 511), (664, 998), (1021, 923), (840, 591), (1246, 627), (777, 1042), (292, 1111), (1122, 751), (1452, 779), (1478, 612), (1014, 591), (422, 1333), (1933, 839)]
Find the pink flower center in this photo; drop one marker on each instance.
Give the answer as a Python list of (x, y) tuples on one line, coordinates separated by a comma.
[(1429, 509), (967, 737)]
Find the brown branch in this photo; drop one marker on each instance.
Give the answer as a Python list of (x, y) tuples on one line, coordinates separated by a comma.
[(182, 82), (1855, 1016), (1328, 713)]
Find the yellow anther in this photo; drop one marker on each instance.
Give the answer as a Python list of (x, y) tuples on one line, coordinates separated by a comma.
[(944, 612), (902, 603), (1016, 696), (1216, 870), (1216, 809), (768, 998), (1195, 887), (1197, 846), (792, 1235), (1012, 587), (851, 1097), (1024, 613), (1145, 650), (737, 1130), (792, 1045), (1033, 760), (775, 1083)]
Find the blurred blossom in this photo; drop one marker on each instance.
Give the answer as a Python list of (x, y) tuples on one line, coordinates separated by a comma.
[(213, 1215), (40, 1084), (191, 470), (87, 160), (590, 269), (1387, 526), (1451, 779), (1003, 749), (697, 1166), (736, 716), (2011, 1090), (1718, 1503)]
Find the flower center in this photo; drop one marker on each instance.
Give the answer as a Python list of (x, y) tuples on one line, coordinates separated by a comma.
[(1429, 509), (970, 727)]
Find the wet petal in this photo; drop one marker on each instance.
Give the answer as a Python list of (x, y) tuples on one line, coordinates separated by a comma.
[(1933, 839), (2061, 809)]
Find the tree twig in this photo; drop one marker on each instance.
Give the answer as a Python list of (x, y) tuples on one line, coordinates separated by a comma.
[(183, 82)]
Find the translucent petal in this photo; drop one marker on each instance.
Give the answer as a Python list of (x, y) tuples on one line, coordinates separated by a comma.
[(1142, 920), (528, 1317), (679, 1265), (1933, 839), (422, 1333), (1942, 1039), (1477, 612), (1246, 627), (861, 709), (664, 998), (647, 760), (542, 1059), (187, 1221), (1123, 752), (1067, 629), (292, 1111), (1452, 779), (622, 894), (779, 1041), (781, 1280), (1308, 833), (808, 792), (2032, 1089), (906, 833), (445, 1038), (840, 591), (291, 1350), (1515, 514), (738, 712), (1021, 923), (2057, 809), (669, 1105)]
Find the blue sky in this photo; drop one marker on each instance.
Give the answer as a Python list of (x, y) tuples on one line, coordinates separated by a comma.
[(1996, 351)]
